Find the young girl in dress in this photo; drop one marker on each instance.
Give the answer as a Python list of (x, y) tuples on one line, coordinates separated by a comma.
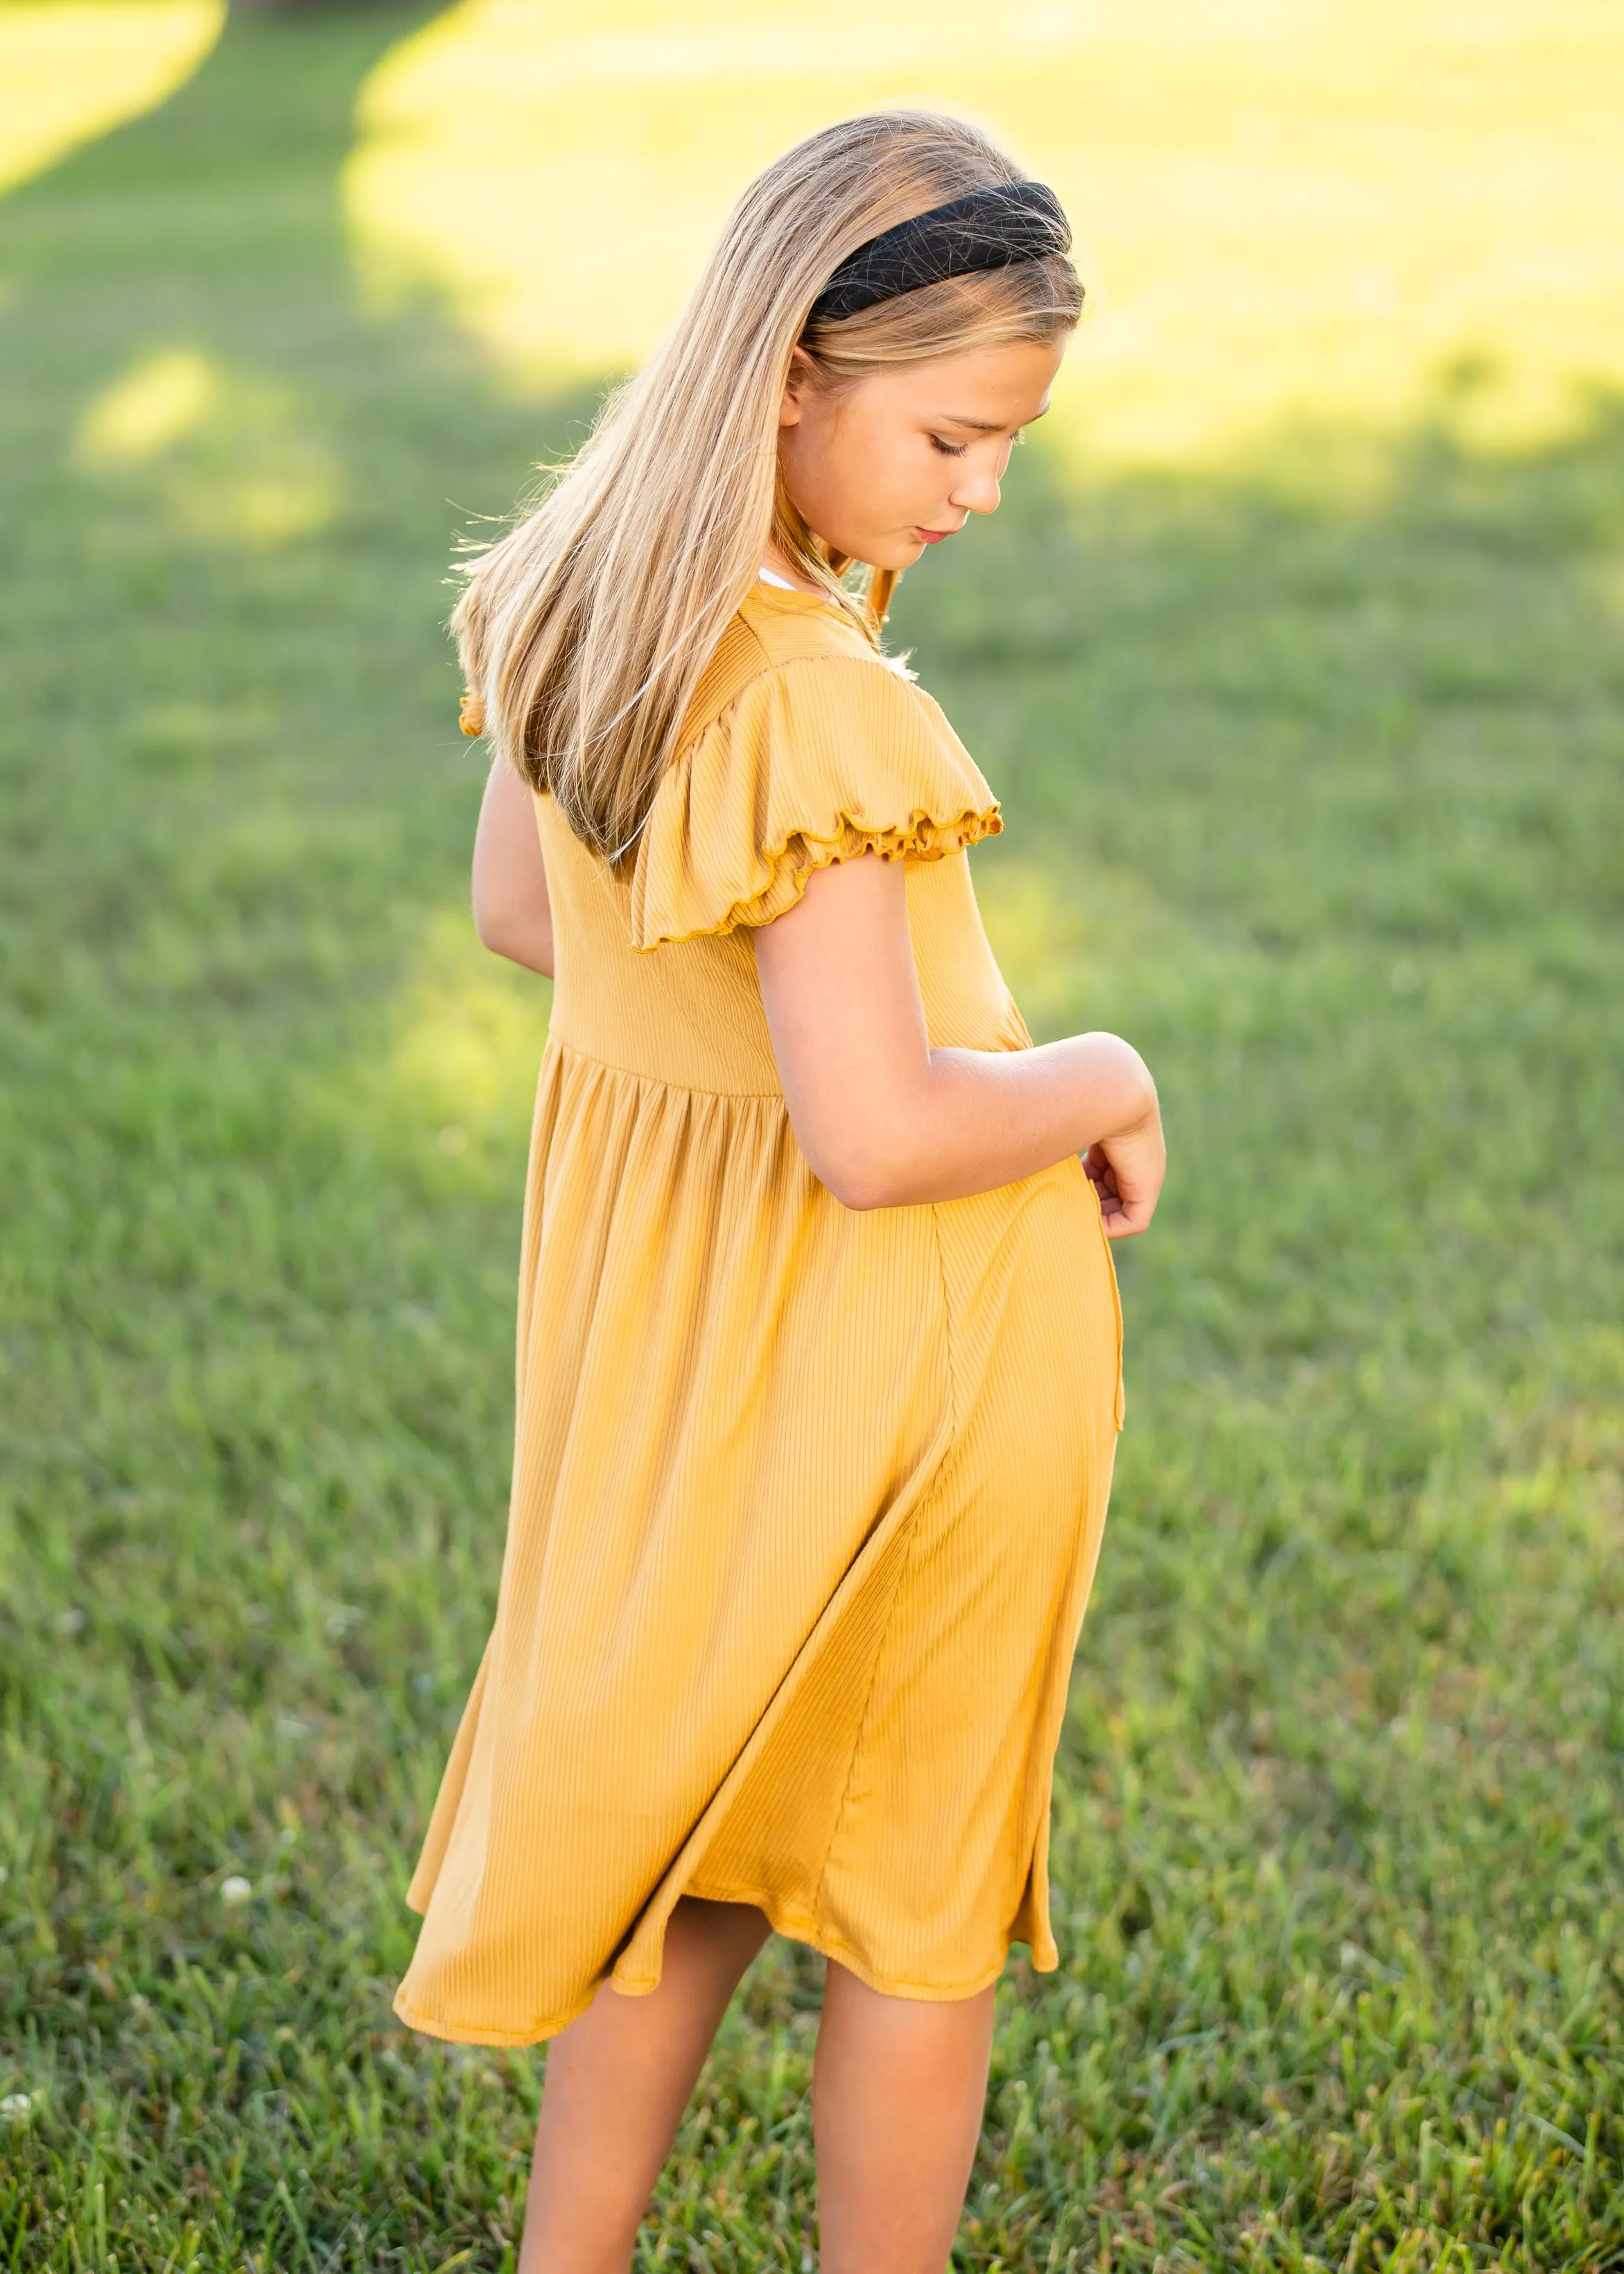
[(819, 1349)]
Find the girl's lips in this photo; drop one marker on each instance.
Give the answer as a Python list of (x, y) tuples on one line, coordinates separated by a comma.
[(932, 536)]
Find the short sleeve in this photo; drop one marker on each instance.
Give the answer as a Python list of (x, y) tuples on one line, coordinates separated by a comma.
[(815, 761)]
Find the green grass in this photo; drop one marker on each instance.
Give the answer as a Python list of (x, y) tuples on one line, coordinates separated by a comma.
[(1311, 771)]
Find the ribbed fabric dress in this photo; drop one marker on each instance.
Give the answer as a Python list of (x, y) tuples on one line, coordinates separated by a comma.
[(806, 1502)]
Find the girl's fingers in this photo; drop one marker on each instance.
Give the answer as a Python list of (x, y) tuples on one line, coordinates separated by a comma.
[(1098, 1169), (1123, 1213), (1127, 1213)]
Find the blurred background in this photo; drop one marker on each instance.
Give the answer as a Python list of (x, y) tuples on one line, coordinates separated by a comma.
[(1294, 656)]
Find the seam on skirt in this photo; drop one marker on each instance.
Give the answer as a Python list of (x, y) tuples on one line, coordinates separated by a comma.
[(658, 1081), (954, 1408), (842, 1805), (925, 1499)]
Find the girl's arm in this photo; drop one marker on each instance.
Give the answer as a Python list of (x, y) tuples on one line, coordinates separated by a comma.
[(886, 1121), (512, 912)]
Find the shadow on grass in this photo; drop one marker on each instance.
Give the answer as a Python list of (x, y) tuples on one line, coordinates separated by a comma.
[(1310, 769)]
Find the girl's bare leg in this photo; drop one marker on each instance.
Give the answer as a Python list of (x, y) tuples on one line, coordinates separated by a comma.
[(617, 2082), (898, 2090)]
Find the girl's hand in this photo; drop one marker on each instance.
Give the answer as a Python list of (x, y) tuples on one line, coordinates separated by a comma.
[(1126, 1171)]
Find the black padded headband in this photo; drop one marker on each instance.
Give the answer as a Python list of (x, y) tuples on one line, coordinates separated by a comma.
[(989, 228)]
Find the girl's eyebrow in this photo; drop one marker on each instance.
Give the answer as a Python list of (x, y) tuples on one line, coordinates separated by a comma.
[(988, 425)]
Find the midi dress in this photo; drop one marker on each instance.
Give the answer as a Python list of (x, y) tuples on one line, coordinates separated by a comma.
[(806, 1500)]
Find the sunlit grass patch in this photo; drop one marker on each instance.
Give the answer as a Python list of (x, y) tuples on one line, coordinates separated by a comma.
[(1288, 209), (71, 69), (223, 456), (156, 403), (468, 1035)]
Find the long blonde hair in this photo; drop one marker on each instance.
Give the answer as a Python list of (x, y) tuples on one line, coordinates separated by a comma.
[(583, 631)]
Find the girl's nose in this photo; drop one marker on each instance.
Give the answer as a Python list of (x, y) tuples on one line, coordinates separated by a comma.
[(977, 494)]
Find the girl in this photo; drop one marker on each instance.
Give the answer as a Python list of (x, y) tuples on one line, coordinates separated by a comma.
[(819, 1348)]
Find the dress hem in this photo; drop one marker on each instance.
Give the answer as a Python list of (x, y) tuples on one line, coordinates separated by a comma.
[(781, 1922)]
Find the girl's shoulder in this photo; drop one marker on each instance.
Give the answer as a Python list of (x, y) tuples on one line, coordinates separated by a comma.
[(775, 631), (804, 745)]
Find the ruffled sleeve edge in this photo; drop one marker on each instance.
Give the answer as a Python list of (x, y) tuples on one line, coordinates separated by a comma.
[(789, 857), (926, 837)]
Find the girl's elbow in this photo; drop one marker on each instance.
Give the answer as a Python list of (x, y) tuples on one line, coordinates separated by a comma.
[(859, 1192), (496, 932), (865, 1176), (515, 942)]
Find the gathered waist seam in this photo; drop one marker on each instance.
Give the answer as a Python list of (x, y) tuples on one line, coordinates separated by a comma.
[(660, 1080)]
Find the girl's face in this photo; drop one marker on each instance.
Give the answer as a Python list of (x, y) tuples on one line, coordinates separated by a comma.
[(901, 459)]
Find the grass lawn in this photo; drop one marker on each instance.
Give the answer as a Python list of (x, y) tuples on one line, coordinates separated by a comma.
[(1310, 756)]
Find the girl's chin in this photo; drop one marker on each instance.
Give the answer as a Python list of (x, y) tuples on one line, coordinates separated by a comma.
[(892, 553)]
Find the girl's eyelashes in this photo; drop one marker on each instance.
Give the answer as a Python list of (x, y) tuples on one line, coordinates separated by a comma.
[(957, 449)]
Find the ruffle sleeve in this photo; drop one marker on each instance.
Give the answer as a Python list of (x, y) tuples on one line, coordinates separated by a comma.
[(815, 760)]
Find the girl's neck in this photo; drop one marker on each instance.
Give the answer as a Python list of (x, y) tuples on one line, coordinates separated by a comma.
[(774, 561)]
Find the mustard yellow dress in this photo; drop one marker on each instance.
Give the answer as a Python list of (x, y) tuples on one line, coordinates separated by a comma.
[(806, 1502)]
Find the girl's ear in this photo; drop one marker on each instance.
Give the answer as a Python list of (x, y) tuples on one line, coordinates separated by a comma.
[(801, 377)]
